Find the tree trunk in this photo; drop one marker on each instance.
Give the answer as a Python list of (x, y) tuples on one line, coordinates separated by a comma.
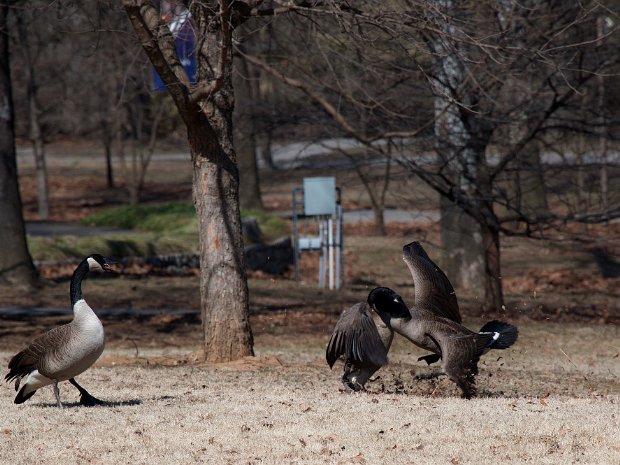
[(379, 221), (207, 111), (461, 154), (40, 165), (266, 153), (16, 267), (36, 136), (463, 256), (223, 281), (245, 137), (493, 284), (107, 138)]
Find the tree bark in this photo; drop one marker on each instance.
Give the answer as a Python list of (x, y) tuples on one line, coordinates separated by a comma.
[(223, 281), (462, 249), (16, 267), (493, 284)]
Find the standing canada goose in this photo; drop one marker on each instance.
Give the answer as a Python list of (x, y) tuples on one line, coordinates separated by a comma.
[(363, 339), (458, 347), (63, 352)]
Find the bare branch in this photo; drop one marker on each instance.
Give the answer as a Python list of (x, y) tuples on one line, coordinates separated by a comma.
[(158, 43), (205, 91)]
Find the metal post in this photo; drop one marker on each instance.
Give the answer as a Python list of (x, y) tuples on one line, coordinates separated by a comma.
[(296, 251), (323, 258), (330, 244), (338, 243)]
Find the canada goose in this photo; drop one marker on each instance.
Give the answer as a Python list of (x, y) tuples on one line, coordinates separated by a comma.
[(459, 348), (63, 352), (363, 339)]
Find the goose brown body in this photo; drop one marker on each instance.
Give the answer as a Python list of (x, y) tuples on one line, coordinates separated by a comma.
[(63, 352)]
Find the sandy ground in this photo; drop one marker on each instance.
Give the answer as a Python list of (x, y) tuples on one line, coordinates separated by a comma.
[(553, 398)]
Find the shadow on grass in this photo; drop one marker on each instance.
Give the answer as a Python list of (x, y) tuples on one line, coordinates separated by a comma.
[(105, 404)]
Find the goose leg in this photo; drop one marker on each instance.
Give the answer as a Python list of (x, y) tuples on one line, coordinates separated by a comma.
[(57, 394), (86, 398)]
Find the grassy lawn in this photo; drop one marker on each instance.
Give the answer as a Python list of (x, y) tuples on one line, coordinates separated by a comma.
[(146, 230), (552, 398)]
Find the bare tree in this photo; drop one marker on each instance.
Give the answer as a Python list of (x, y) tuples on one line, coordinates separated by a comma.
[(35, 132), (504, 77), (143, 115), (16, 267), (206, 110)]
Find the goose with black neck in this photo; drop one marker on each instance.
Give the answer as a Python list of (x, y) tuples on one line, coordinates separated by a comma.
[(66, 351)]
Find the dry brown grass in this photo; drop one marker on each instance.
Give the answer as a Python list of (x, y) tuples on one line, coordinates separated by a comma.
[(552, 398)]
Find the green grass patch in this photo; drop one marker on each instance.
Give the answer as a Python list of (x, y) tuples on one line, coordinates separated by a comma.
[(159, 229), (165, 217), (174, 217), (146, 244)]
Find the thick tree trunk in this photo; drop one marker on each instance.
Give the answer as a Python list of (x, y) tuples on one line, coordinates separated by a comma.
[(16, 266), (223, 281), (493, 284), (463, 250), (207, 110), (461, 149)]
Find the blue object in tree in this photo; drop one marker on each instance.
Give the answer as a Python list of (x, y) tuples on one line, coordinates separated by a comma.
[(183, 32)]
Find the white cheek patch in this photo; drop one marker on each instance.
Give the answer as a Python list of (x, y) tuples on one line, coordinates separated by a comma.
[(93, 264), (495, 336)]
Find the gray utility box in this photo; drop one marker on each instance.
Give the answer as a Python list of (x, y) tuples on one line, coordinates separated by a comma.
[(320, 196)]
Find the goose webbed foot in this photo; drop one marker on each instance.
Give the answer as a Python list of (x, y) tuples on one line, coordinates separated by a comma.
[(86, 399)]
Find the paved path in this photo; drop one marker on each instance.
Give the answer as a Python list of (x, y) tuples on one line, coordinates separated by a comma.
[(58, 228)]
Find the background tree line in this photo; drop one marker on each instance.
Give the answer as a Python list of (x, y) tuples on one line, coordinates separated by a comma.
[(506, 109)]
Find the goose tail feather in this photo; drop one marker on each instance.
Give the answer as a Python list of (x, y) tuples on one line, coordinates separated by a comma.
[(504, 334), (22, 396)]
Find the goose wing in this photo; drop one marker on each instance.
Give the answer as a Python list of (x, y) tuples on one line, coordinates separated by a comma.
[(433, 290), (357, 338), (29, 359)]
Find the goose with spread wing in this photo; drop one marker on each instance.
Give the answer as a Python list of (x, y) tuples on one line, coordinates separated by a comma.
[(458, 347), (363, 339)]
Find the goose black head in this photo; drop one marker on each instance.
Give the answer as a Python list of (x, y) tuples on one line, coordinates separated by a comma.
[(388, 304), (99, 262)]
